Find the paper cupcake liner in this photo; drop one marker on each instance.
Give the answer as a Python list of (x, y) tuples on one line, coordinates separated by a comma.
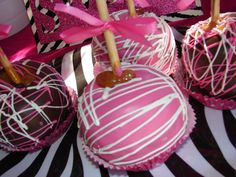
[(56, 134), (148, 163), (212, 102)]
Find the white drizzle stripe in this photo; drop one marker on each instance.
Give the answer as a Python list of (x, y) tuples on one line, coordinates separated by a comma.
[(154, 153), (158, 133), (165, 101), (118, 93), (115, 97), (118, 118)]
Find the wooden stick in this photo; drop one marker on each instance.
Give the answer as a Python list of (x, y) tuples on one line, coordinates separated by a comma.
[(131, 8), (215, 10), (11, 72), (109, 38)]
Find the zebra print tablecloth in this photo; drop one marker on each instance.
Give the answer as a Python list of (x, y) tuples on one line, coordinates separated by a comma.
[(210, 151)]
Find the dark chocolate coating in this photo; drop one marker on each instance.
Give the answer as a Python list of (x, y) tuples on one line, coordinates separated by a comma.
[(32, 116), (210, 59)]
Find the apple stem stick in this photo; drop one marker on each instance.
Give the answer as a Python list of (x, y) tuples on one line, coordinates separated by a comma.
[(109, 38), (215, 14), (131, 8), (215, 10), (11, 72)]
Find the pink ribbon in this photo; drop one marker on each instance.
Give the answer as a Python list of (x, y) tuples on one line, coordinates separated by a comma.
[(4, 30), (133, 28)]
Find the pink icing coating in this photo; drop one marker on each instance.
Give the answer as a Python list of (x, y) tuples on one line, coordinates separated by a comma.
[(162, 54), (209, 57), (131, 124), (34, 116)]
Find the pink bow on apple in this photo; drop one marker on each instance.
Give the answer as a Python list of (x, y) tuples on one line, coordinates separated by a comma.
[(132, 28)]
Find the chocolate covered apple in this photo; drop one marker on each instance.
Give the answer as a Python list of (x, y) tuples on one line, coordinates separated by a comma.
[(35, 114), (209, 56)]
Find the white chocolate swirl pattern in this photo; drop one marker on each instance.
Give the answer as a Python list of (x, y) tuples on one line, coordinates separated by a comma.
[(28, 114), (161, 55), (133, 122), (210, 56)]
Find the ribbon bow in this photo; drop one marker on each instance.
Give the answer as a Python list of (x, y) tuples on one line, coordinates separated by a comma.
[(133, 28), (4, 30)]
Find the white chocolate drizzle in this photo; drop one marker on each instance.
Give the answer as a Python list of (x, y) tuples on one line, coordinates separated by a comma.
[(162, 54), (17, 120), (122, 109), (218, 73)]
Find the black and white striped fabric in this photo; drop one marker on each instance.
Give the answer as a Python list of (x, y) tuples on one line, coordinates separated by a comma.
[(210, 150), (50, 13), (47, 47), (54, 45)]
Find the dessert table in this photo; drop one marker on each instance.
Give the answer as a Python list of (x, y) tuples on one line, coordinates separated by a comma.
[(209, 151)]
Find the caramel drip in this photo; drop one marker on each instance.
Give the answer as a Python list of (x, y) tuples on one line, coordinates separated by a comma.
[(109, 79), (215, 15)]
